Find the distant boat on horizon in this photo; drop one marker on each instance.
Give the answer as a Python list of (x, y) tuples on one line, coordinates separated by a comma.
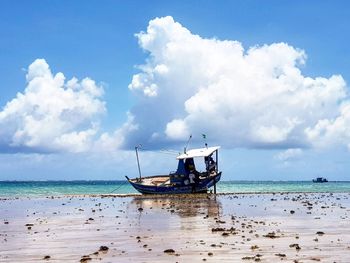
[(320, 180)]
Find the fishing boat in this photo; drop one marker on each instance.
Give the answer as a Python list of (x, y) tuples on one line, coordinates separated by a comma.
[(186, 179), (320, 180)]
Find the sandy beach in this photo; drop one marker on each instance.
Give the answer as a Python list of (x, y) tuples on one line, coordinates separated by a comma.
[(293, 227)]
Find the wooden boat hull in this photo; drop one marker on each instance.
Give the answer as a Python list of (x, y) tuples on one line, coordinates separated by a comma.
[(202, 186)]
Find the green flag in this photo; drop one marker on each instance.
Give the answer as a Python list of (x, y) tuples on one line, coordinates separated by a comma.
[(204, 136)]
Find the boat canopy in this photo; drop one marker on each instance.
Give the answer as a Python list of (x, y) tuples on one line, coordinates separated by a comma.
[(201, 152)]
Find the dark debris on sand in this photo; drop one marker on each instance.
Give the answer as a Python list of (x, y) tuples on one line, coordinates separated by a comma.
[(169, 251), (296, 246), (85, 259), (271, 235), (103, 248)]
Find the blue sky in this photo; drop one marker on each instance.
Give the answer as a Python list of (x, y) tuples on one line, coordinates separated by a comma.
[(94, 40)]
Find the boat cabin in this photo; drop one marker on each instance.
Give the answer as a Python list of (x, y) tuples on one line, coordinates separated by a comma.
[(186, 168)]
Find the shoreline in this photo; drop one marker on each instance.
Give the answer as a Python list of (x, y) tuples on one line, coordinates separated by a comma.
[(167, 195)]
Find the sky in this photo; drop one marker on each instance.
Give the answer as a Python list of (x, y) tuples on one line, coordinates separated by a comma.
[(83, 83)]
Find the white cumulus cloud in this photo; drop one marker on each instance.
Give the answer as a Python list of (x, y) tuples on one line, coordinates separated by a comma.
[(177, 129), (335, 131), (51, 114), (254, 97), (289, 154), (111, 142)]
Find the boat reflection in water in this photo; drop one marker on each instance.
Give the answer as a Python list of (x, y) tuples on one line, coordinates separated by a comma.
[(183, 205)]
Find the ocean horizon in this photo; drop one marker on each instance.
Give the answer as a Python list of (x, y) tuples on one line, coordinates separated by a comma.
[(26, 188)]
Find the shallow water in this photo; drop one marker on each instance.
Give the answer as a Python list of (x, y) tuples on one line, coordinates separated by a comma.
[(54, 188), (141, 228)]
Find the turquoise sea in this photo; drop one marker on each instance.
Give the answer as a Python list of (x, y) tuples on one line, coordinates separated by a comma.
[(54, 188)]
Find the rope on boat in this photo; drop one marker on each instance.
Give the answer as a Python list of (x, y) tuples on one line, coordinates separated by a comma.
[(164, 151), (123, 183), (169, 152)]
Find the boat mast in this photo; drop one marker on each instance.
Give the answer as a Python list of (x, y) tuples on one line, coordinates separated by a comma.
[(137, 157), (217, 160), (216, 167), (185, 149)]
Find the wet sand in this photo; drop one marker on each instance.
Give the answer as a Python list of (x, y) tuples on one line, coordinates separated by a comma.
[(307, 227)]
